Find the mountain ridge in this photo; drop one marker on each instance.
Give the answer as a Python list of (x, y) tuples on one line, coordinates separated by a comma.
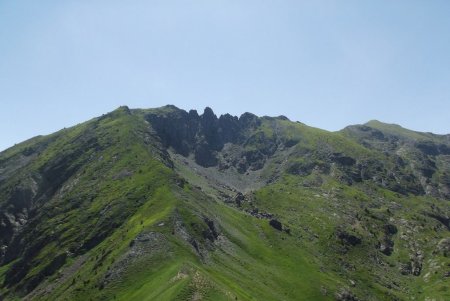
[(372, 122), (165, 204)]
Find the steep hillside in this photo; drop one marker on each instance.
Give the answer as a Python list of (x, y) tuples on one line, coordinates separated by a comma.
[(164, 204)]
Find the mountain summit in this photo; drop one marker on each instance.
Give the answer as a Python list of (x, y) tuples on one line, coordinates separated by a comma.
[(164, 204)]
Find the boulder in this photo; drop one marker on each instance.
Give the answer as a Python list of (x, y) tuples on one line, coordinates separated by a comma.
[(239, 198), (348, 239), (211, 233), (276, 224)]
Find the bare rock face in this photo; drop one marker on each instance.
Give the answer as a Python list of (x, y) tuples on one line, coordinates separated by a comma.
[(15, 217), (204, 136), (386, 246)]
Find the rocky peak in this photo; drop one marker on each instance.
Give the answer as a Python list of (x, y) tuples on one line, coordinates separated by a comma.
[(193, 114), (208, 114), (120, 111), (202, 135), (249, 120), (229, 127)]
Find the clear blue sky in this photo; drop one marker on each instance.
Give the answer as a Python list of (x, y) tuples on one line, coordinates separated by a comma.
[(325, 63)]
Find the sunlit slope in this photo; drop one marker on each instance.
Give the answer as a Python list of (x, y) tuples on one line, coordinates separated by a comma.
[(163, 204)]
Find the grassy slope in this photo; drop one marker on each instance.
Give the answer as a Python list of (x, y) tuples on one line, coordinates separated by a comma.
[(251, 260), (93, 201), (229, 273), (256, 262), (397, 130), (315, 213)]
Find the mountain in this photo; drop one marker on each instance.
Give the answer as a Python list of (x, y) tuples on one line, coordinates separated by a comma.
[(164, 204)]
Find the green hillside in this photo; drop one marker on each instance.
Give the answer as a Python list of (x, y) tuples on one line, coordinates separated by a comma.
[(163, 204)]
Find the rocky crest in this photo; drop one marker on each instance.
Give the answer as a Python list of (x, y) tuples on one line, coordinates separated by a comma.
[(204, 136)]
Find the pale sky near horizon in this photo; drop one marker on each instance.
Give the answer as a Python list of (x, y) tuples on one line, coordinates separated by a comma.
[(327, 63)]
